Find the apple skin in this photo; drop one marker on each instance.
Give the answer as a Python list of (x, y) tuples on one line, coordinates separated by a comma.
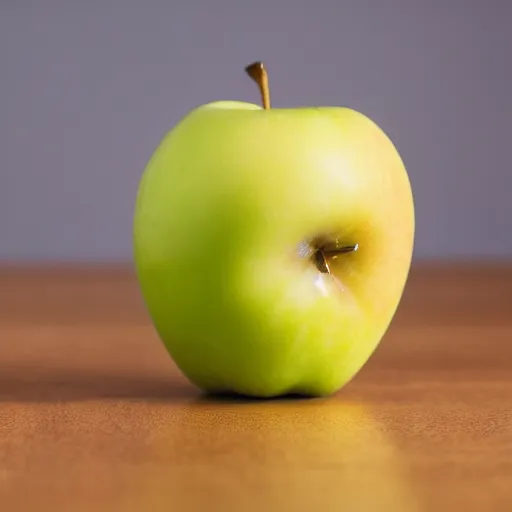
[(223, 205)]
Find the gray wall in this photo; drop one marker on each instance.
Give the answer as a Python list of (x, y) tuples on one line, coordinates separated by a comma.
[(87, 89)]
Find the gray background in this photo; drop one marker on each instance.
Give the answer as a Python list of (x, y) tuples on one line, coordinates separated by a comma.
[(87, 89)]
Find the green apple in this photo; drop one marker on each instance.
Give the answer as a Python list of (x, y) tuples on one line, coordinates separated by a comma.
[(272, 246)]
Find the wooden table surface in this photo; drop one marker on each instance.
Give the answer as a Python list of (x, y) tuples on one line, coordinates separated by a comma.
[(95, 417)]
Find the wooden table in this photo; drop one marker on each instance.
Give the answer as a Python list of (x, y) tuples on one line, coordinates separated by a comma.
[(95, 417)]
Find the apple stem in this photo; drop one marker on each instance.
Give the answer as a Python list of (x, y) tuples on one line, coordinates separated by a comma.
[(321, 256), (258, 73), (321, 263)]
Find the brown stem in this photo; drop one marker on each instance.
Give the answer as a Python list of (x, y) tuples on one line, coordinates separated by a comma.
[(321, 256), (258, 73)]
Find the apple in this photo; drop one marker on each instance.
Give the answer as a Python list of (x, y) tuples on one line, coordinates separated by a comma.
[(272, 245)]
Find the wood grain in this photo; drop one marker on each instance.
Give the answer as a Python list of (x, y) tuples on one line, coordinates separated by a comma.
[(95, 416)]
